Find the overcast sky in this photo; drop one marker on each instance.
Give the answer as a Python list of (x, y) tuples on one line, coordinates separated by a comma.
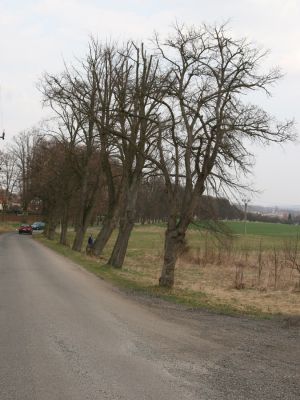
[(36, 35)]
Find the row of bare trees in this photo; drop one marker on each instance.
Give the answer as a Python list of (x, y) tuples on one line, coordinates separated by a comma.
[(175, 112), (15, 162)]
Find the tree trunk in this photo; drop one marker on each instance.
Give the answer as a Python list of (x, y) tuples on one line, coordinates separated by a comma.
[(78, 240), (50, 234), (64, 231), (120, 248), (126, 225), (83, 212), (176, 231), (84, 216), (79, 235), (81, 229), (109, 224), (174, 244)]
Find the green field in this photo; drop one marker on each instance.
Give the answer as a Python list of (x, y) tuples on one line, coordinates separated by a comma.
[(263, 229), (232, 233)]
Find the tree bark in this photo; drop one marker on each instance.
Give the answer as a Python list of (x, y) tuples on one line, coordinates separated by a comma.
[(81, 229), (50, 232), (79, 236), (174, 244), (126, 225), (120, 248), (87, 202), (81, 217), (111, 219), (109, 224), (115, 198), (64, 230)]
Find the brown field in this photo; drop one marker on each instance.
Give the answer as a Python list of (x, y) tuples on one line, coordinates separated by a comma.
[(245, 273)]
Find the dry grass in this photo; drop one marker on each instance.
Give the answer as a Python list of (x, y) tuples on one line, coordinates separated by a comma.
[(219, 281), (244, 276), (269, 284), (213, 269), (8, 227)]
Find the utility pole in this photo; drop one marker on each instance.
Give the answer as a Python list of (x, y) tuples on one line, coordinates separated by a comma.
[(1, 115), (246, 202), (2, 137)]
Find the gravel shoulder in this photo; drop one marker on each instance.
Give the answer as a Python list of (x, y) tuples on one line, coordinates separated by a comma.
[(237, 357)]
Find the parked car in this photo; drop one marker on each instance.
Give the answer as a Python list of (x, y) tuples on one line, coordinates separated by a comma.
[(25, 229), (38, 226)]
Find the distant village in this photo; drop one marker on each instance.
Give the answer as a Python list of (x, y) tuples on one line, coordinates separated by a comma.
[(11, 203), (273, 214)]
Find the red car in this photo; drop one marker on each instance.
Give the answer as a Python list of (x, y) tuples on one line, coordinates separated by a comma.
[(25, 229)]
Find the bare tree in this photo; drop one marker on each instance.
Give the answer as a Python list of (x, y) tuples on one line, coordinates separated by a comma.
[(45, 181), (128, 98), (21, 149), (105, 64), (139, 92), (55, 182), (207, 146), (73, 97), (182, 112), (8, 177)]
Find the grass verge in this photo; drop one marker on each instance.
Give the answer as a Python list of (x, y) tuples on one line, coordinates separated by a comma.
[(8, 227), (124, 281)]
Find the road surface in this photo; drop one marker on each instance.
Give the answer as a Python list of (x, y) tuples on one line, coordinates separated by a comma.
[(66, 334)]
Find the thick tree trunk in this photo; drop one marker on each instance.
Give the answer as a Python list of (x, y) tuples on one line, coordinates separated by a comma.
[(126, 225), (83, 223), (63, 232), (120, 248), (81, 230), (50, 233), (82, 214), (87, 201), (64, 224), (109, 224), (174, 244), (176, 231), (79, 236)]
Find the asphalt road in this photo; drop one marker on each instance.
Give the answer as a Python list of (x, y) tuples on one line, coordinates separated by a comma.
[(65, 334)]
